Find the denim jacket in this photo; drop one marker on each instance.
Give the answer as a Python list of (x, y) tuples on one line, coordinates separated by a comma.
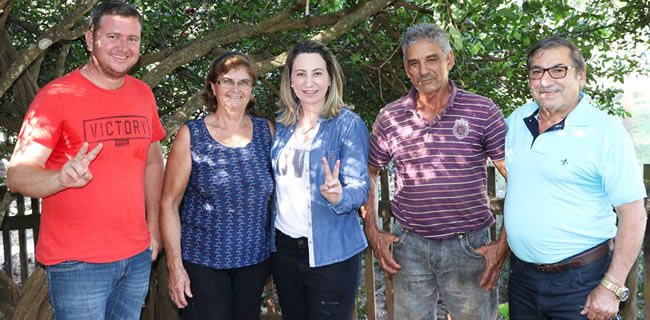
[(336, 229)]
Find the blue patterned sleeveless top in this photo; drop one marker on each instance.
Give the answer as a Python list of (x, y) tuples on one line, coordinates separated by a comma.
[(225, 212)]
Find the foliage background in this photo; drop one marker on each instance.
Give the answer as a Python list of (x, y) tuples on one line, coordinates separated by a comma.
[(490, 39), (180, 38)]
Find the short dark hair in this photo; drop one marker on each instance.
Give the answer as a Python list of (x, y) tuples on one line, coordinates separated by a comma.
[(558, 42), (112, 8), (223, 64)]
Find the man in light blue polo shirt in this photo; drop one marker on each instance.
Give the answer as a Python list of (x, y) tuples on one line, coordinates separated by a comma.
[(568, 164)]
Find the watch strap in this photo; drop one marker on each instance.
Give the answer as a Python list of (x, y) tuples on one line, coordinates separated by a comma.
[(613, 287)]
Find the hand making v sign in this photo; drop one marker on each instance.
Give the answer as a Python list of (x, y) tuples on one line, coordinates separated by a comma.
[(332, 189), (75, 172)]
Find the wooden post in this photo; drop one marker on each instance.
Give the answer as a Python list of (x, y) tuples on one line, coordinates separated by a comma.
[(646, 247), (385, 214), (369, 273), (628, 309), (492, 193), (36, 215)]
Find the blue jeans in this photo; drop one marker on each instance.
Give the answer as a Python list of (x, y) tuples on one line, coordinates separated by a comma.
[(115, 290), (448, 269), (537, 295)]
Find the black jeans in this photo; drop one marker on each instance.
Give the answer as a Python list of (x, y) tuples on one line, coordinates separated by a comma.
[(226, 294), (534, 295), (308, 293)]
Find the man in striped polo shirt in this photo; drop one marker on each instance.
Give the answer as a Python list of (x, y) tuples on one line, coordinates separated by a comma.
[(440, 137)]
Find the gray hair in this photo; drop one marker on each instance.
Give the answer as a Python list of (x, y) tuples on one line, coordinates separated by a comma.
[(425, 31)]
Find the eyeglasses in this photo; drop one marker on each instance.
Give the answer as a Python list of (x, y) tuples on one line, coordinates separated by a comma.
[(228, 83), (558, 72)]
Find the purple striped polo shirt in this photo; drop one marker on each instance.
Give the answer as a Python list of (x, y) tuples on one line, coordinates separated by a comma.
[(440, 166)]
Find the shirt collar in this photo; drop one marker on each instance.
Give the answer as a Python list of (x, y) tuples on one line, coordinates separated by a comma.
[(411, 98), (575, 117)]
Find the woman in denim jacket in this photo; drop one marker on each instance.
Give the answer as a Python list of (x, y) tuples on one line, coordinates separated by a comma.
[(320, 158)]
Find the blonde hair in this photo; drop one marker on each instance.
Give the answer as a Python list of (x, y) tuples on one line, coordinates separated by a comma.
[(289, 110)]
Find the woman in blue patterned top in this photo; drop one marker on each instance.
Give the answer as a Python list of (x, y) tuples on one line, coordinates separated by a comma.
[(216, 220), (320, 162)]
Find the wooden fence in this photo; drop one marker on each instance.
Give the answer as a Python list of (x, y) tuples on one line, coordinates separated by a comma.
[(29, 299)]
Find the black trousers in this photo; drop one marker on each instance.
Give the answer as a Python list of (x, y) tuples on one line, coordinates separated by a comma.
[(226, 294), (308, 293)]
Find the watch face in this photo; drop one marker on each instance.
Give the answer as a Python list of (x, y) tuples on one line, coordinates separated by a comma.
[(624, 294)]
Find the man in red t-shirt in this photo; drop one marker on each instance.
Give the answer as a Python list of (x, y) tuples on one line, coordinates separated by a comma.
[(89, 146)]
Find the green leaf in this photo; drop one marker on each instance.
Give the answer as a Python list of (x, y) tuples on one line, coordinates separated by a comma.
[(476, 48), (456, 37), (355, 57)]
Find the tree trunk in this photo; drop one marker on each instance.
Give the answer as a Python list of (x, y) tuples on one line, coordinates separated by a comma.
[(9, 295), (34, 303)]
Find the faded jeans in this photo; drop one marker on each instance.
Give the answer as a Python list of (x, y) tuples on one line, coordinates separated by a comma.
[(448, 269), (115, 290)]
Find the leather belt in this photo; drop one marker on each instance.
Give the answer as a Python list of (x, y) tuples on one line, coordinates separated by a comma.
[(297, 242), (579, 260)]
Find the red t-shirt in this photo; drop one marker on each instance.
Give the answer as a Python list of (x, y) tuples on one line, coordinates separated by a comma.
[(105, 220)]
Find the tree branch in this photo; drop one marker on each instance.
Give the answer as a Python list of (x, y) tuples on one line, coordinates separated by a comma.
[(285, 25), (9, 291), (59, 66), (25, 87), (75, 33), (5, 9), (410, 6), (365, 10), (29, 54), (204, 45), (153, 57), (24, 25), (326, 19), (362, 12)]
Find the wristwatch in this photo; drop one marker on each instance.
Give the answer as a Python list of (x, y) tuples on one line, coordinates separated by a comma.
[(620, 291)]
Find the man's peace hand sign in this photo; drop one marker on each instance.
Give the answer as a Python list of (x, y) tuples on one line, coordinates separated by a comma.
[(75, 173)]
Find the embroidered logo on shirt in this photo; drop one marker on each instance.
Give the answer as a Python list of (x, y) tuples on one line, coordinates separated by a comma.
[(564, 162), (461, 129)]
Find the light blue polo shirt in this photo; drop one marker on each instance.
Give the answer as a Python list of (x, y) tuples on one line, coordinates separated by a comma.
[(562, 185)]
